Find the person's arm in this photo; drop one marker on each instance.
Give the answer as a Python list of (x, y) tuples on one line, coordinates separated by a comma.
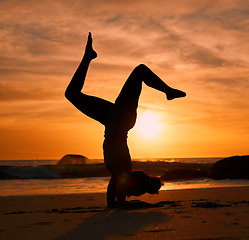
[(122, 190), (112, 192)]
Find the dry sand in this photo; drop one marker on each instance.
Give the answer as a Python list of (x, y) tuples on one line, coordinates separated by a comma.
[(218, 213)]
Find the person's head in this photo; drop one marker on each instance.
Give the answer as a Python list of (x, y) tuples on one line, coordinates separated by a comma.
[(143, 183), (154, 185)]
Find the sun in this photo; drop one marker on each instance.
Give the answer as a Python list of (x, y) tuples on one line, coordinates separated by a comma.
[(148, 124)]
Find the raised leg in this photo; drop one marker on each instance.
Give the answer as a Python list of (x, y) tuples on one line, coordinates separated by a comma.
[(132, 88), (127, 101), (153, 81), (93, 107)]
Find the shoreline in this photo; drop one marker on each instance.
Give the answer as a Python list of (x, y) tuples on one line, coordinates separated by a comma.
[(173, 214), (39, 187), (104, 192)]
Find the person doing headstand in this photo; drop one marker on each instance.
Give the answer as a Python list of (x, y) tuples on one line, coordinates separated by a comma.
[(118, 118)]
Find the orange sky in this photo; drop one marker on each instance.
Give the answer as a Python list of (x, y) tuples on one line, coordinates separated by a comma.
[(201, 47)]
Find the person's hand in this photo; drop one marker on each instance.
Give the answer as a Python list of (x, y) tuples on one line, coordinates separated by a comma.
[(112, 205)]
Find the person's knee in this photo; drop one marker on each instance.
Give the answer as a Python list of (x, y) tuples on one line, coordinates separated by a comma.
[(142, 67), (69, 94)]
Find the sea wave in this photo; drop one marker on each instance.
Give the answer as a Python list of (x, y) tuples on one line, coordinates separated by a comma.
[(157, 168), (27, 172)]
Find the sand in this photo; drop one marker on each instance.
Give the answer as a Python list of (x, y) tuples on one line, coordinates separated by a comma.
[(218, 213)]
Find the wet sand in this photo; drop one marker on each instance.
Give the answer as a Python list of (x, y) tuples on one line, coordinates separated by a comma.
[(215, 213)]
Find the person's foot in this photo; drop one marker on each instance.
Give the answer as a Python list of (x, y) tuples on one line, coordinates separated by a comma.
[(89, 52), (175, 93)]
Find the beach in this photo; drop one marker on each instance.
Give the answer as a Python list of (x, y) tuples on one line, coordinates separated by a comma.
[(208, 213)]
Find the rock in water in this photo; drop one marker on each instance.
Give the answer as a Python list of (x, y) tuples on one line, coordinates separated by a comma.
[(236, 167), (73, 159)]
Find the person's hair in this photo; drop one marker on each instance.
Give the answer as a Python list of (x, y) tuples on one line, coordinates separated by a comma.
[(143, 183), (154, 185)]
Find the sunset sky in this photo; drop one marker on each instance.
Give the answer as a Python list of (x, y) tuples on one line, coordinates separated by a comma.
[(201, 47)]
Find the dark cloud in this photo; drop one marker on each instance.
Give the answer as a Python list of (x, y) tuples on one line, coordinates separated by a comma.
[(226, 18), (205, 57)]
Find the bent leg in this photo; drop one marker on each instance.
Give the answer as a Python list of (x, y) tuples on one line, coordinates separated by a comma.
[(127, 101), (153, 81), (132, 88), (93, 107)]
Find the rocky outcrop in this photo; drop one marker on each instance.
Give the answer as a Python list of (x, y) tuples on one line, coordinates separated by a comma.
[(176, 174), (236, 167), (73, 159)]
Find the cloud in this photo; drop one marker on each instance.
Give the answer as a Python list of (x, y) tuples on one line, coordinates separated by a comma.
[(131, 25), (200, 46)]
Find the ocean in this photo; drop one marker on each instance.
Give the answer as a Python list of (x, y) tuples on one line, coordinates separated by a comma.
[(44, 177)]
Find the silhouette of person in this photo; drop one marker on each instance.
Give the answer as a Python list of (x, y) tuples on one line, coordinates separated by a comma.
[(118, 118)]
